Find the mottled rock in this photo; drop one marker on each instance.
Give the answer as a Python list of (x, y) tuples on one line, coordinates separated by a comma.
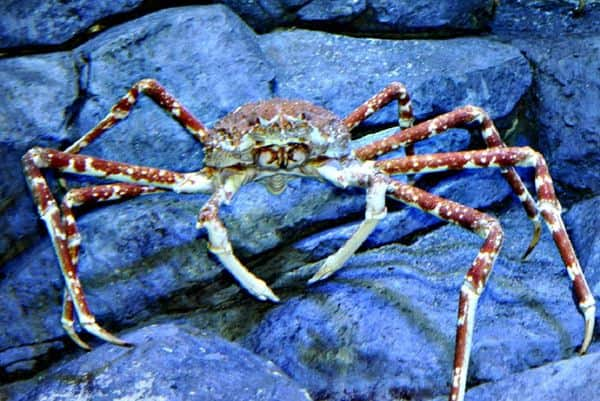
[(168, 362), (436, 18), (341, 72), (563, 113), (43, 23), (36, 95), (568, 110), (573, 379), (552, 19), (368, 16)]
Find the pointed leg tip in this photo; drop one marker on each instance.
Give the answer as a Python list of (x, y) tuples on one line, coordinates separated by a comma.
[(98, 331), (318, 276), (264, 293), (590, 319), (535, 239)]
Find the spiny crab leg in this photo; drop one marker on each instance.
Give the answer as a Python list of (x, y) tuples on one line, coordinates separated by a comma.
[(375, 211), (394, 91), (476, 278), (122, 108), (62, 229), (219, 243), (77, 197), (463, 117), (550, 210)]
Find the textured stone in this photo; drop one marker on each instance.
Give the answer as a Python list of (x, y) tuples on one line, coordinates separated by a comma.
[(573, 379), (51, 100), (568, 111), (368, 16), (168, 362), (204, 75), (36, 95), (341, 72), (403, 16), (43, 23)]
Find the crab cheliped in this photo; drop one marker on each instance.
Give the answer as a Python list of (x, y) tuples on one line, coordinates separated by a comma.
[(275, 139)]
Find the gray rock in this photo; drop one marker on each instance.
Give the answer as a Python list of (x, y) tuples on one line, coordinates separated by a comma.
[(341, 72), (43, 23), (383, 327), (400, 16), (367, 16), (573, 379), (568, 111), (551, 19), (167, 362), (563, 112), (36, 95)]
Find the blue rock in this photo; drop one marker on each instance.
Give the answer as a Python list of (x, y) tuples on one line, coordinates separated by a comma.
[(572, 379), (204, 75), (341, 72), (168, 361), (400, 16), (43, 23), (569, 112)]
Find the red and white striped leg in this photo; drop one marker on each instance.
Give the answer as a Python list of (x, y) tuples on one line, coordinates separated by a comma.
[(502, 157), (394, 91), (218, 241), (464, 117), (78, 197), (50, 213), (121, 110), (62, 228), (477, 275)]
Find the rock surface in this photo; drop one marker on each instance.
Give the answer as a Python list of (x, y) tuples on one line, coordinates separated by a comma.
[(168, 362), (573, 379), (336, 71), (43, 23)]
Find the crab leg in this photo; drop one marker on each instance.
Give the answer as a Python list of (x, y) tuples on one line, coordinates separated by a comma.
[(121, 110), (218, 240), (394, 91), (477, 275), (547, 203), (62, 229), (78, 197), (460, 118), (375, 211)]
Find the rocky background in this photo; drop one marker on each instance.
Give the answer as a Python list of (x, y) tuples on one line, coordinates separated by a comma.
[(383, 328)]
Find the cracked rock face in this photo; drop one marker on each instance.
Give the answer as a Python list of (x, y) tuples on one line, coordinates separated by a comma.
[(383, 328)]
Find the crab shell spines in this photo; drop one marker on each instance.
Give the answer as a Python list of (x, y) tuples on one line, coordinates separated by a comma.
[(276, 122)]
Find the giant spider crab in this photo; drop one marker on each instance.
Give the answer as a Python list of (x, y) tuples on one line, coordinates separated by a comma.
[(274, 139)]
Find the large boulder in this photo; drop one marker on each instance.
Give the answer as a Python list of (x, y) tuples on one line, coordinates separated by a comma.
[(168, 362)]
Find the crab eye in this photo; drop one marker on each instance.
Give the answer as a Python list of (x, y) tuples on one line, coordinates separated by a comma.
[(297, 155), (267, 156)]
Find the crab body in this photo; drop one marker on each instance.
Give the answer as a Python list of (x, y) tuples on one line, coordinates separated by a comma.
[(274, 139), (276, 134)]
